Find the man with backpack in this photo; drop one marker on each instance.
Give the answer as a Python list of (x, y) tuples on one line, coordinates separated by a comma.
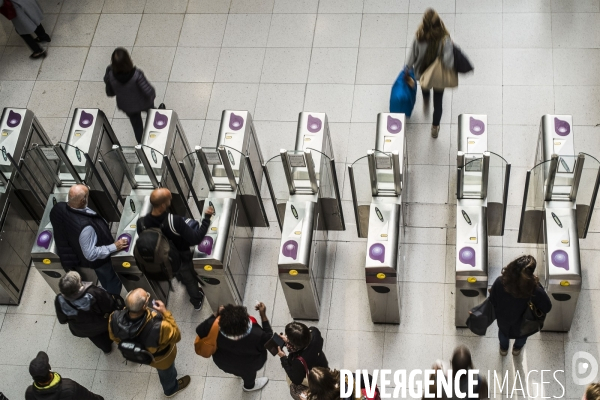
[(85, 307), (149, 336), (160, 227)]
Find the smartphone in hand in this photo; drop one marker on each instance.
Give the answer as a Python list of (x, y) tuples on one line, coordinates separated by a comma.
[(273, 344)]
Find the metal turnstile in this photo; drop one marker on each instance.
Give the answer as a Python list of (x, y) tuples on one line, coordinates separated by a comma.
[(146, 167), (227, 177), (21, 208), (377, 181), (481, 197), (60, 166), (304, 189), (560, 194)]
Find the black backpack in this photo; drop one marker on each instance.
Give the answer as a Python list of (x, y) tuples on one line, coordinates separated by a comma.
[(156, 255), (136, 352)]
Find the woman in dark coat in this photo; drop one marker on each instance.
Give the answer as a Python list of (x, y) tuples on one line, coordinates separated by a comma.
[(241, 343), (510, 295), (29, 20), (305, 342), (134, 93)]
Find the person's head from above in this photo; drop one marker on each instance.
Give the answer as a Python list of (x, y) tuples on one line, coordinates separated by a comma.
[(297, 336), (461, 360), (78, 197), (234, 321), (120, 61), (323, 384), (592, 392), (160, 200), (136, 302), (70, 284), (518, 277), (39, 369), (432, 27)]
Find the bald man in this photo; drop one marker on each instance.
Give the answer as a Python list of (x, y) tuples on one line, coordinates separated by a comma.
[(183, 233), (83, 238)]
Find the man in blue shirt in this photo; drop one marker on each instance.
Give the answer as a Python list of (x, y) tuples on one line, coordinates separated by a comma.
[(83, 238)]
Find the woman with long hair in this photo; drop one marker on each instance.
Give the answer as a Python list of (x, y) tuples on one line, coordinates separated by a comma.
[(510, 295), (432, 40), (323, 384), (304, 345)]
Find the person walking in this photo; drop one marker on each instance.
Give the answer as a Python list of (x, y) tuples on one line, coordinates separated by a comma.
[(85, 308), (133, 91), (183, 233), (83, 239), (510, 295), (592, 392), (305, 345), (48, 385), (241, 343), (28, 20), (432, 40), (156, 330)]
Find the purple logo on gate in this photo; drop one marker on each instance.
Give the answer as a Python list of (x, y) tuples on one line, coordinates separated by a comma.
[(44, 239), (14, 119), (160, 120), (377, 252), (235, 122), (393, 125), (314, 124), (466, 255), (476, 126), (560, 259), (562, 128), (206, 245), (85, 119), (290, 249)]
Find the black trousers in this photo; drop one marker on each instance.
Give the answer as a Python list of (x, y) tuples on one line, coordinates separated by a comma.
[(137, 124), (189, 278), (249, 379), (31, 42), (102, 341), (438, 95)]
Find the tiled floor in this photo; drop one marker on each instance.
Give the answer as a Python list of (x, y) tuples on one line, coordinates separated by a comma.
[(277, 58)]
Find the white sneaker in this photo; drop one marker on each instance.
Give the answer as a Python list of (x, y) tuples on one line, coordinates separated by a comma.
[(259, 383)]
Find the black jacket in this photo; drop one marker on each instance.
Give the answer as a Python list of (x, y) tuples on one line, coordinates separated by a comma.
[(509, 309), (60, 389), (87, 313), (68, 223), (240, 356), (134, 92), (312, 354), (185, 237)]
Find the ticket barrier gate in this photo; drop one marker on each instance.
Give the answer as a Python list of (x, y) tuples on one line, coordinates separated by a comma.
[(304, 189), (20, 206), (148, 166), (60, 166), (229, 178), (560, 194), (481, 198), (378, 182)]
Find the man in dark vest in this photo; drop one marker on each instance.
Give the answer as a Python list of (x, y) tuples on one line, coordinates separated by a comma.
[(83, 238)]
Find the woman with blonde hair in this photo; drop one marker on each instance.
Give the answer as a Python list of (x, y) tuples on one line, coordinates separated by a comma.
[(432, 40)]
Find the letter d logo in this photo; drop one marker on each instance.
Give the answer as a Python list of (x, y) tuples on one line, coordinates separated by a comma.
[(582, 363)]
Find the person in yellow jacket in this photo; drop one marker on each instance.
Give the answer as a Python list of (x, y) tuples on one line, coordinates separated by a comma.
[(156, 330)]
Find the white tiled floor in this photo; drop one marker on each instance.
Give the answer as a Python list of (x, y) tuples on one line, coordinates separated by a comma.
[(276, 58)]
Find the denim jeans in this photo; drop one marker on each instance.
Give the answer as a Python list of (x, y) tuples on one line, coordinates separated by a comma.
[(108, 278), (505, 341), (168, 379)]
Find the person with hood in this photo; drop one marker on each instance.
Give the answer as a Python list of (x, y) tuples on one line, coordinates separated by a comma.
[(156, 330), (85, 307), (133, 91), (28, 20), (48, 385)]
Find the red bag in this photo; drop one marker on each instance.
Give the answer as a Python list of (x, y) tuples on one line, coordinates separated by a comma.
[(8, 10)]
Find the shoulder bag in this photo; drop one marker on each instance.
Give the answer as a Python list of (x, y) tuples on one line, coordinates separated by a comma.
[(481, 317), (300, 392), (437, 76), (207, 346), (532, 320)]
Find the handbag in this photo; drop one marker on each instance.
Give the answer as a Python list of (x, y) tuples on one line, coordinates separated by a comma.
[(300, 392), (532, 320), (8, 10), (462, 65), (437, 76), (481, 317), (206, 347), (403, 96)]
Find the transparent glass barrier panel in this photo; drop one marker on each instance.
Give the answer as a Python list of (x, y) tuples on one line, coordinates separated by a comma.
[(300, 169), (325, 177), (563, 181), (362, 195), (532, 212), (587, 192), (40, 166), (194, 172), (276, 177), (472, 177), (3, 184), (157, 163), (496, 194), (77, 158)]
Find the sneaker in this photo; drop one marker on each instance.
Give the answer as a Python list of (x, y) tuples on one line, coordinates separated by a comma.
[(516, 352), (435, 130), (42, 53), (162, 106), (259, 383), (199, 306), (182, 383), (503, 352)]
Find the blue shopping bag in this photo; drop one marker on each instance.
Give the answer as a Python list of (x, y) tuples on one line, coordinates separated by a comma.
[(403, 97)]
